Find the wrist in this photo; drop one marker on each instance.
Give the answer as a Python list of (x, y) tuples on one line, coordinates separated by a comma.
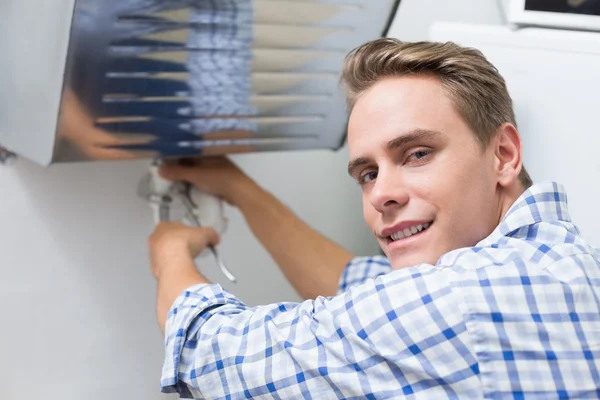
[(177, 280), (168, 256), (242, 190), (170, 286)]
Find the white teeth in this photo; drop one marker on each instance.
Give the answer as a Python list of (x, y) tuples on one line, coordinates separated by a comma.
[(398, 236), (409, 231)]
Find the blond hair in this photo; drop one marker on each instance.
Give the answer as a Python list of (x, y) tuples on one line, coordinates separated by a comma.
[(476, 88)]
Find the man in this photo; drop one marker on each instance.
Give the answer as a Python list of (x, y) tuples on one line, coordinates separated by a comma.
[(493, 292)]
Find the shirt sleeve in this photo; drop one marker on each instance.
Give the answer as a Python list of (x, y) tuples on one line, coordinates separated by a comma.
[(398, 333), (360, 269)]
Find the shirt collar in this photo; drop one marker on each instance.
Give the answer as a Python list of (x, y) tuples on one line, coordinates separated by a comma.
[(542, 202)]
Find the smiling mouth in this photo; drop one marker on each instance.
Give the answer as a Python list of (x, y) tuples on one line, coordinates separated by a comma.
[(408, 232)]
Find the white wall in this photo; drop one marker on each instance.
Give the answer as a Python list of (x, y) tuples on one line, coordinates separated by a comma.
[(76, 295), (414, 17)]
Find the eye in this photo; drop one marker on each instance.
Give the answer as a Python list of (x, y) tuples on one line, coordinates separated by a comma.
[(419, 155), (368, 177)]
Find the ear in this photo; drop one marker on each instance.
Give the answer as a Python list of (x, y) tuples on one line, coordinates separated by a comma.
[(507, 155)]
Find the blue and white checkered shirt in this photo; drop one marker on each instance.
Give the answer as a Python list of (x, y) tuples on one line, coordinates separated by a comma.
[(516, 316)]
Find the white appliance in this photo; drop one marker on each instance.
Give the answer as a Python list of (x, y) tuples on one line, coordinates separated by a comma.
[(117, 75), (553, 77), (567, 14)]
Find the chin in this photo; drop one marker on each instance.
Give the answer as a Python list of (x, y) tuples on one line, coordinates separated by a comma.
[(399, 264), (399, 261)]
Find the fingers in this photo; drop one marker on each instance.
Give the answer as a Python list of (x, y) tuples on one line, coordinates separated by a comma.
[(174, 246), (214, 175), (204, 235), (209, 235), (175, 236), (200, 238), (177, 173), (190, 169)]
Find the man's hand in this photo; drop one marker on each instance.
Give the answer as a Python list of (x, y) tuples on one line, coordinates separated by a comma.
[(311, 262), (214, 175), (172, 241), (173, 248)]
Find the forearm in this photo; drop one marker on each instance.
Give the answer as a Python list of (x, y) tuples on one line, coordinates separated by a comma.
[(310, 261), (181, 274)]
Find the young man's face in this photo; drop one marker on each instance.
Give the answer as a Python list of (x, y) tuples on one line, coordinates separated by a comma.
[(428, 188)]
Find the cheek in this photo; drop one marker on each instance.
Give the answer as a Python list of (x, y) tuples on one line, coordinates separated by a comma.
[(471, 205), (453, 186), (457, 176), (432, 185), (369, 213)]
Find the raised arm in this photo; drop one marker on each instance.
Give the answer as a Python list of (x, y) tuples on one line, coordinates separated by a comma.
[(381, 339), (310, 261)]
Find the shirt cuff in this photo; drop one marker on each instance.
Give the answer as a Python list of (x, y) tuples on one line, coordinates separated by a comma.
[(189, 311)]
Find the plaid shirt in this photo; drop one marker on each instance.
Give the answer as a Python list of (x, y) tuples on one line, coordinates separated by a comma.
[(516, 316)]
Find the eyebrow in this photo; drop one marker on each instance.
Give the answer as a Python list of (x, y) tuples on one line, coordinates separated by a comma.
[(409, 137)]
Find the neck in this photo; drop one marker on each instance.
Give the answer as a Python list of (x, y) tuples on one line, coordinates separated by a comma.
[(508, 196)]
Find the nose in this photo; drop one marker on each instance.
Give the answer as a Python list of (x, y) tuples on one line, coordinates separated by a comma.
[(389, 191)]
